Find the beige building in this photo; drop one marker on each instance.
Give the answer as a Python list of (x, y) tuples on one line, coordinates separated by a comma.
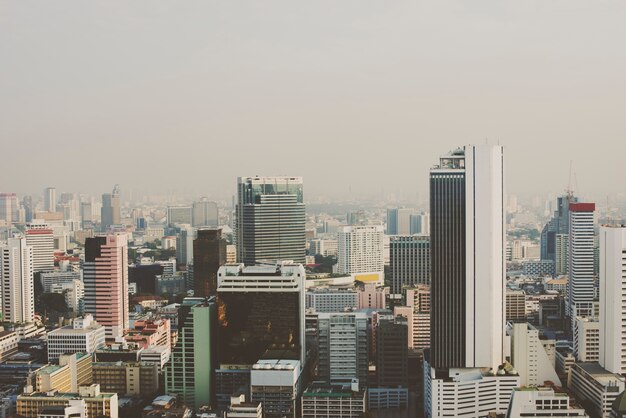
[(31, 404)]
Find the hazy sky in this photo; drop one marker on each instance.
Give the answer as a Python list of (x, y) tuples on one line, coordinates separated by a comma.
[(349, 94)]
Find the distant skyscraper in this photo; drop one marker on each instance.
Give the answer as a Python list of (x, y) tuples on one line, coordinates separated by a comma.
[(179, 215), (40, 237), (110, 211), (106, 282), (205, 213), (558, 225), (360, 252), (29, 208), (613, 299), (399, 221), (270, 219), (50, 199), (420, 224), (189, 373), (467, 259), (209, 254), (8, 205), (184, 244), (409, 261), (18, 291), (581, 260)]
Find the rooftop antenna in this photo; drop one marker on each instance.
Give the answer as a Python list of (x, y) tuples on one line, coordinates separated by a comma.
[(569, 183)]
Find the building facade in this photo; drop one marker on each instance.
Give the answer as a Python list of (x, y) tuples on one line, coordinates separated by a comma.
[(409, 260), (18, 289)]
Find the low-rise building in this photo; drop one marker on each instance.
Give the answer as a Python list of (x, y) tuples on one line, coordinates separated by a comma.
[(321, 400), (127, 378), (596, 387), (97, 404), (541, 402), (8, 344), (85, 335), (275, 385)]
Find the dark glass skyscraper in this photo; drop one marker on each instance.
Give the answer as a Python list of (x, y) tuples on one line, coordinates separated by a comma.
[(209, 254), (270, 219)]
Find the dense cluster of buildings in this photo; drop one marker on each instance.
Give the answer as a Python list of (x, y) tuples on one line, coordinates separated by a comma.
[(260, 310)]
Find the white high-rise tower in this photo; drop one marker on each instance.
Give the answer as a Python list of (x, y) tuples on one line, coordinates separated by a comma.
[(18, 291)]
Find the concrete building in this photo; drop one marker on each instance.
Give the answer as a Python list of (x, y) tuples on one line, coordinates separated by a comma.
[(40, 237), (96, 403), (529, 357), (18, 290), (332, 299), (190, 371), (275, 385), (409, 261), (392, 353), (106, 282), (73, 292), (612, 336), (8, 344), (360, 252), (184, 244), (468, 265), (515, 305), (73, 370), (270, 219), (596, 387), (110, 212), (127, 378), (179, 215), (372, 295), (239, 408), (541, 402), (83, 336), (561, 253), (323, 246), (321, 400), (587, 339), (342, 347), (581, 261), (205, 213), (51, 278)]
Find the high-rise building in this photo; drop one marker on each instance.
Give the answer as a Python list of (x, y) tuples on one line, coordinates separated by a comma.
[(392, 352), (581, 260), (18, 290), (29, 208), (420, 224), (8, 207), (560, 254), (205, 213), (587, 339), (467, 258), (467, 286), (110, 213), (50, 199), (261, 316), (209, 254), (558, 225), (360, 252), (409, 261), (515, 305), (106, 282), (40, 237), (270, 219), (189, 373), (179, 215), (184, 244), (399, 221), (342, 347), (613, 298)]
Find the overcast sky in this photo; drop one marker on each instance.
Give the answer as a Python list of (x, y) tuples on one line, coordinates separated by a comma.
[(187, 95)]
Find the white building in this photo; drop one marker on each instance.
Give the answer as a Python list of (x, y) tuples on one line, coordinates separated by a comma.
[(541, 402), (18, 290), (581, 260), (40, 236), (321, 400), (84, 336), (360, 252), (184, 244), (74, 293), (331, 300), (587, 339), (271, 377), (595, 386), (323, 246), (529, 357), (613, 299), (48, 279), (467, 393)]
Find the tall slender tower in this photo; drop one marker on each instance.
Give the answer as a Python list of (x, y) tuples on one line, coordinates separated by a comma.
[(106, 282), (18, 291), (50, 199), (467, 258), (110, 211), (581, 260), (613, 298), (270, 219)]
